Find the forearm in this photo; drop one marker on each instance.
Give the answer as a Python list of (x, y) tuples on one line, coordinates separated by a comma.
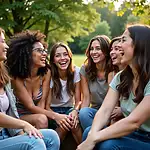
[(119, 129), (85, 102), (10, 122), (100, 120)]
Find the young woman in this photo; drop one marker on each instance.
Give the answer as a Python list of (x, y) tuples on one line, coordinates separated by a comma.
[(64, 97), (116, 56), (31, 76), (132, 86), (12, 129), (94, 77)]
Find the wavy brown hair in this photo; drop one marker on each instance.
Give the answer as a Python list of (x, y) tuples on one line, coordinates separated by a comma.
[(19, 54), (90, 66), (56, 90), (4, 77), (140, 35)]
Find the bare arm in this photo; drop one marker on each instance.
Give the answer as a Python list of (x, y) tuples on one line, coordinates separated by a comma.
[(62, 120), (85, 92), (24, 97), (10, 122), (45, 87), (129, 124)]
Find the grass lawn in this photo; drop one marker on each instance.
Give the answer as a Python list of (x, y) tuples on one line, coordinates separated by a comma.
[(79, 59)]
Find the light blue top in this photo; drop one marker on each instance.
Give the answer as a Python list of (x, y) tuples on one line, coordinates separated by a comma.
[(128, 105)]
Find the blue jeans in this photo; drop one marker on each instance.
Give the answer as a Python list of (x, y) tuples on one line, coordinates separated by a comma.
[(50, 141), (133, 141), (86, 116)]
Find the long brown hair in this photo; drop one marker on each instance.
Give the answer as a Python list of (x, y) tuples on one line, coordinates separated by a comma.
[(90, 66), (56, 90), (140, 35), (4, 77)]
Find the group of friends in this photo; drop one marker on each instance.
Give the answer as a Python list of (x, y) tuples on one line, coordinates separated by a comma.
[(105, 104)]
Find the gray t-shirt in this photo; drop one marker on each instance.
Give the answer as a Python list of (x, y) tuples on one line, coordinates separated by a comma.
[(98, 89)]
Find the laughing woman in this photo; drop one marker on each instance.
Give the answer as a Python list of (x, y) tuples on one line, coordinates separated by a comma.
[(31, 76), (94, 78), (12, 129), (64, 97), (132, 87)]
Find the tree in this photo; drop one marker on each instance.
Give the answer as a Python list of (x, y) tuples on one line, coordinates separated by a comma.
[(101, 29), (68, 18)]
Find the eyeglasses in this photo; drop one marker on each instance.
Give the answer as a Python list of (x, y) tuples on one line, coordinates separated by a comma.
[(40, 50)]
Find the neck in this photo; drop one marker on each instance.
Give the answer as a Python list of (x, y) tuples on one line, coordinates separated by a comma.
[(121, 67), (101, 66), (62, 74), (34, 72), (135, 73)]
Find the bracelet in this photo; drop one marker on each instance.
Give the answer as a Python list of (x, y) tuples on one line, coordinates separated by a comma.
[(76, 110)]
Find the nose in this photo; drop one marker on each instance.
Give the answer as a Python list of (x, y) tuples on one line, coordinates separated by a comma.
[(112, 52), (6, 46)]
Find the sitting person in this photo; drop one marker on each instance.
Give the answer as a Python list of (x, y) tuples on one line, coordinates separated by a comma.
[(30, 76), (94, 78), (12, 129), (132, 87), (116, 56), (64, 97)]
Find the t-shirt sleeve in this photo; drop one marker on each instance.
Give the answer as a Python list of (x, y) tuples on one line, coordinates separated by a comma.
[(77, 74), (115, 81), (82, 71), (51, 83), (147, 89)]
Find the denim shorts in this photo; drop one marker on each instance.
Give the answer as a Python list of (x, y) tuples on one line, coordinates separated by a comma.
[(61, 110)]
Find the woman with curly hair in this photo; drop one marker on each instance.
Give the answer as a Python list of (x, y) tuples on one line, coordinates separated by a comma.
[(64, 97), (94, 78), (16, 133), (31, 76), (132, 87)]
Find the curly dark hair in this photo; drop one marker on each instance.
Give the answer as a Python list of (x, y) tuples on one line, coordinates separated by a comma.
[(90, 66), (19, 54), (140, 35), (56, 90)]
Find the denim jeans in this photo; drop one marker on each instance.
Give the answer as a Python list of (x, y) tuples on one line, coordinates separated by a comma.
[(50, 141), (86, 116), (133, 141)]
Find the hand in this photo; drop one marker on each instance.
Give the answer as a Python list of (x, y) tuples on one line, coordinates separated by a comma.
[(117, 113), (88, 144), (30, 130), (74, 116), (64, 121)]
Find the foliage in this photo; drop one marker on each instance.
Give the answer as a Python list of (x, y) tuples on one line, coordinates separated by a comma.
[(132, 19), (58, 19), (102, 28)]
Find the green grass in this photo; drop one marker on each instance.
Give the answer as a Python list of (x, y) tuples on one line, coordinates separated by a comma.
[(79, 59)]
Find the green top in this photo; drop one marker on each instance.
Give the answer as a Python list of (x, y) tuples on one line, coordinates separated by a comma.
[(98, 89), (128, 105)]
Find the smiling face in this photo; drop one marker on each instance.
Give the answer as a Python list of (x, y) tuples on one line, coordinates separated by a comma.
[(127, 48), (3, 47), (96, 53), (61, 58), (39, 55), (115, 53)]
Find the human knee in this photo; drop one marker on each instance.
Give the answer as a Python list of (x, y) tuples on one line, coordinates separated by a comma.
[(83, 113), (42, 121), (52, 137)]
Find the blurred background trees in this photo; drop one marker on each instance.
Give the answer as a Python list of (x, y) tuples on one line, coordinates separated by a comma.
[(72, 21)]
